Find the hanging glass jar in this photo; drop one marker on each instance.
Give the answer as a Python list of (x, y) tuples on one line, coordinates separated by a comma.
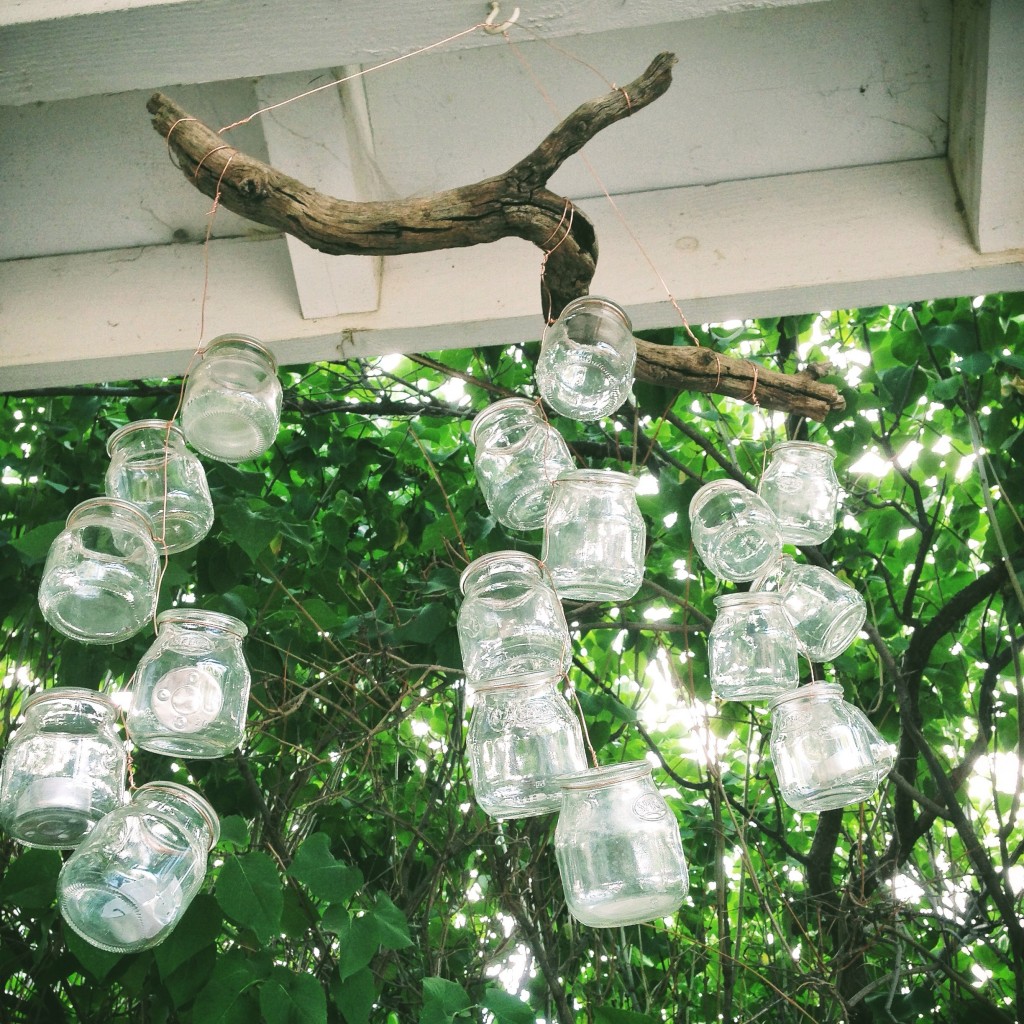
[(826, 752), (801, 488), (63, 770), (594, 536), (587, 358), (522, 737), (511, 625), (190, 692), (232, 404), (101, 574), (618, 848), (752, 648), (151, 467), (518, 456), (826, 613), (733, 530), (130, 881)]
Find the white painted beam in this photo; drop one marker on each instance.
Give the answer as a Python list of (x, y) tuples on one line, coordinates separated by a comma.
[(798, 243), (986, 144), (116, 46), (324, 145)]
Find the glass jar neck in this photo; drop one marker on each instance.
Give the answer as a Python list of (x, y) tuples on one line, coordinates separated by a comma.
[(501, 569), (804, 695), (180, 803), (748, 601), (64, 704), (604, 777), (96, 510), (509, 416), (199, 619), (597, 308), (145, 436), (244, 346), (805, 452), (606, 479)]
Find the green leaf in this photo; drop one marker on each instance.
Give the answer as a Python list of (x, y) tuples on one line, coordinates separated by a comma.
[(35, 545), (225, 999), (252, 525), (97, 962), (442, 1000), (326, 877), (945, 389), (355, 997), (612, 1015), (392, 926), (234, 831), (31, 880), (289, 998), (249, 891), (507, 1009), (198, 929), (974, 364), (359, 944), (423, 627)]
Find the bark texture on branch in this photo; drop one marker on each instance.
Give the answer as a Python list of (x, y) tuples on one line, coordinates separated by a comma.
[(514, 204)]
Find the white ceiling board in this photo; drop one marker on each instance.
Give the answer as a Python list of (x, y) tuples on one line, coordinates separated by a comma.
[(754, 95), (758, 248), (92, 173), (139, 46)]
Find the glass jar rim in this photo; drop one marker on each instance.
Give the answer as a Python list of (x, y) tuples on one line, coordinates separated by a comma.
[(807, 446), (809, 690), (713, 487), (189, 796), (597, 303), (777, 563), (171, 429), (240, 339), (748, 597), (605, 775), (598, 476), (523, 557), (117, 503), (528, 683), (202, 617), (69, 693), (495, 409)]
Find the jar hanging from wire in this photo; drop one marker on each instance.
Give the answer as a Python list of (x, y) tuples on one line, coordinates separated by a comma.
[(595, 538), (151, 467), (522, 737), (64, 768), (734, 531), (826, 613), (800, 486), (131, 880), (190, 692), (752, 648), (511, 625), (518, 456), (232, 404), (827, 753), (587, 358), (100, 579), (618, 848)]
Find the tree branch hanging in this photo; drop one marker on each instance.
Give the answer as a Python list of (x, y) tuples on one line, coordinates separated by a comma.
[(514, 204)]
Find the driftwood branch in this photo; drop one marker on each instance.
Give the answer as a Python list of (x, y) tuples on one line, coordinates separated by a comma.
[(514, 204)]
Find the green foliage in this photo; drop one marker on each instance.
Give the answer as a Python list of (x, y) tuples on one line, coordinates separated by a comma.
[(355, 879)]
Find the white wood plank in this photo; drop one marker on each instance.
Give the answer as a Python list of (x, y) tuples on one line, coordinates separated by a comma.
[(822, 240), (986, 148), (317, 141), (122, 46)]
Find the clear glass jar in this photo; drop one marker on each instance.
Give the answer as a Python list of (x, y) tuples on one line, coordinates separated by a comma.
[(511, 625), (587, 358), (826, 613), (129, 882), (232, 406), (190, 692), (101, 574), (826, 752), (151, 467), (618, 848), (64, 768), (518, 456), (733, 530), (595, 538), (521, 738), (752, 648), (800, 486)]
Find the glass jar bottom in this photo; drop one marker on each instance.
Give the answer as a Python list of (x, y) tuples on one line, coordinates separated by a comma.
[(838, 636), (585, 385), (227, 433), (792, 533), (124, 915), (93, 613), (851, 788), (574, 585), (526, 510), (520, 802), (620, 911), (741, 554), (177, 531), (201, 748), (747, 690), (52, 828)]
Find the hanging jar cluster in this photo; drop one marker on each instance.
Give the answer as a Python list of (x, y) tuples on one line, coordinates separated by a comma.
[(827, 754), (137, 865), (617, 843)]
